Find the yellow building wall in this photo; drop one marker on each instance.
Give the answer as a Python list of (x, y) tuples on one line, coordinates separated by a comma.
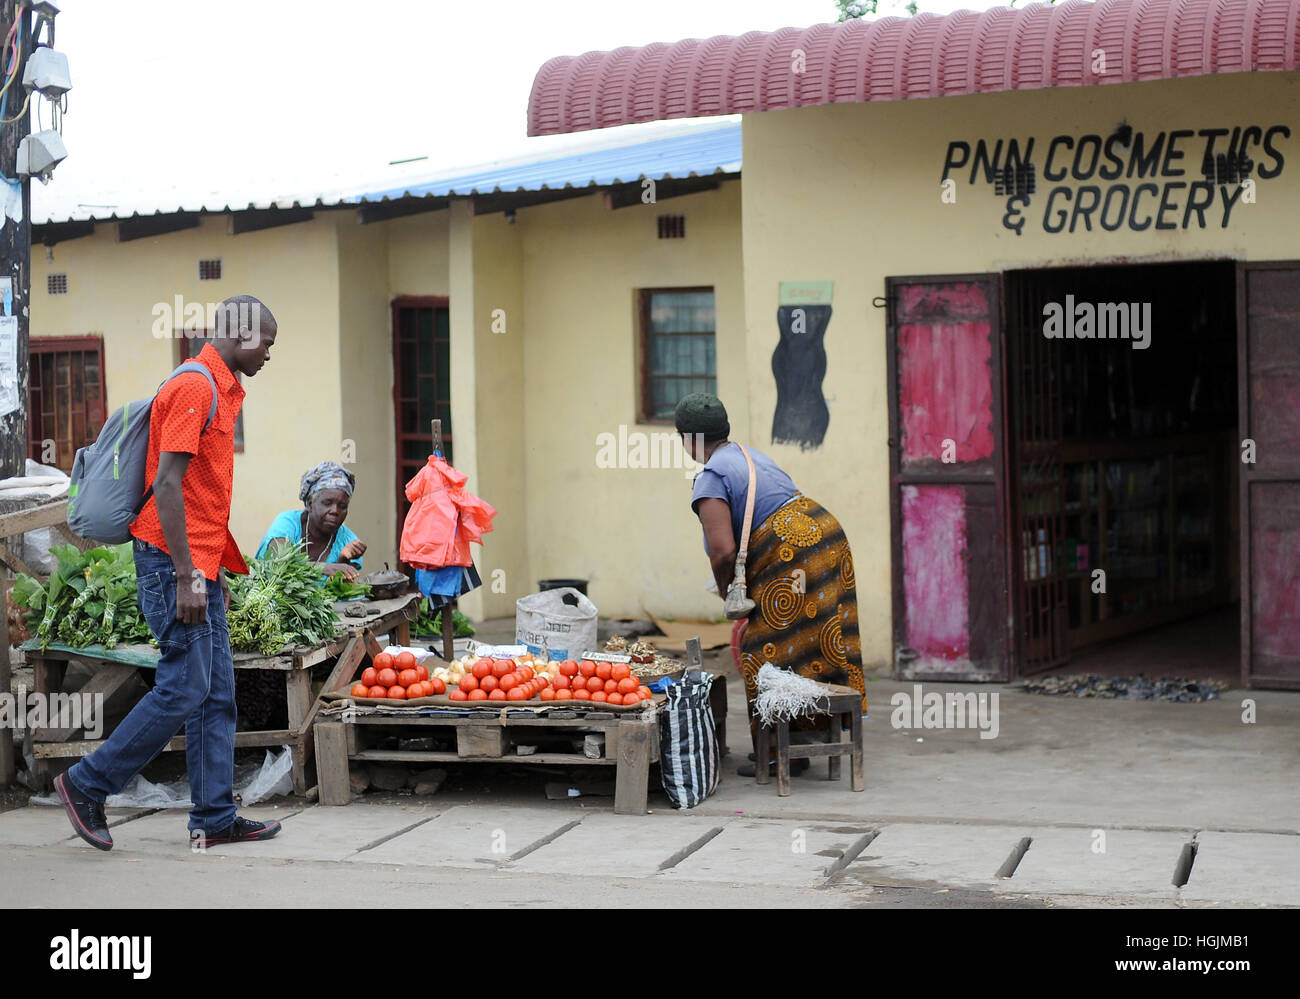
[(291, 413), (629, 530), (418, 254), (365, 387), (488, 334), (850, 193)]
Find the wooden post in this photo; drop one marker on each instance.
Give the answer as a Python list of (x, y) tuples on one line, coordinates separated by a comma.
[(7, 764), (449, 608), (16, 252)]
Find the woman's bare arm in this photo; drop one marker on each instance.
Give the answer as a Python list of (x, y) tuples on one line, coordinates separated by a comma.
[(719, 540)]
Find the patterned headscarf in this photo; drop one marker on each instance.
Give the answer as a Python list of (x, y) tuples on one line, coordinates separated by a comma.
[(326, 475)]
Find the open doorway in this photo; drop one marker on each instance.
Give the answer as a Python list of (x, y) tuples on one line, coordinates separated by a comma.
[(1123, 467)]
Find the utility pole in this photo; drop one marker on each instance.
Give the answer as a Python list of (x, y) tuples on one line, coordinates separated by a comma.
[(15, 252)]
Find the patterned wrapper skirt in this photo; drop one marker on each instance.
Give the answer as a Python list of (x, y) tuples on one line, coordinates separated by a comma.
[(799, 573)]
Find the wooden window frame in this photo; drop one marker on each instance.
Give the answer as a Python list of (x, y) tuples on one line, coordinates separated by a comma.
[(394, 308), (68, 344), (643, 345)]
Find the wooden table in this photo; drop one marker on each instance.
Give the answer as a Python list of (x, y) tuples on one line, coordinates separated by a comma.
[(113, 667)]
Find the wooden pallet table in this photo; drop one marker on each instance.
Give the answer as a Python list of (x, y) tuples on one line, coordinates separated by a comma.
[(631, 744), (113, 667)]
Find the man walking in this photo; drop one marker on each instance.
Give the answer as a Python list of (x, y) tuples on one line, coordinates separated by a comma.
[(183, 549)]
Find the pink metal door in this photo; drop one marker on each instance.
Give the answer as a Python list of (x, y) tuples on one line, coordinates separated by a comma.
[(1268, 372), (952, 613)]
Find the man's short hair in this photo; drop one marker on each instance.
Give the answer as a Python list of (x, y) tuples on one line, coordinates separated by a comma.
[(239, 313)]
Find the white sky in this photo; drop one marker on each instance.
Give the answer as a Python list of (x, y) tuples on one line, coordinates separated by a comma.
[(239, 100)]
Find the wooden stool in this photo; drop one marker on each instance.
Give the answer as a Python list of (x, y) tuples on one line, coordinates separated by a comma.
[(843, 701)]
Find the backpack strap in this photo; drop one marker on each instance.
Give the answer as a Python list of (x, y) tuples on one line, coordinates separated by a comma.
[(202, 369)]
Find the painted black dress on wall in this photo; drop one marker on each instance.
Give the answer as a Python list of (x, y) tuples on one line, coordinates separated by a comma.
[(799, 365)]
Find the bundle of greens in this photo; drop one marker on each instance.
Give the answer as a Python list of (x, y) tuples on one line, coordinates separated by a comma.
[(426, 625), (279, 603), (338, 588), (90, 599)]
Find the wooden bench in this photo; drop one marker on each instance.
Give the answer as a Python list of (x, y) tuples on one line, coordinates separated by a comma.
[(843, 703)]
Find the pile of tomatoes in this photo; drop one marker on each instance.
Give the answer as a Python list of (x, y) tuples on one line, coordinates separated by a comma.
[(608, 683), (397, 678), (500, 680)]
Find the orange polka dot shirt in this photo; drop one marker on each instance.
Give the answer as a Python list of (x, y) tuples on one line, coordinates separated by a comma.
[(176, 424)]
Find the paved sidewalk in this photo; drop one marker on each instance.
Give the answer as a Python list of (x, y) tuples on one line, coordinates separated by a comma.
[(1081, 802)]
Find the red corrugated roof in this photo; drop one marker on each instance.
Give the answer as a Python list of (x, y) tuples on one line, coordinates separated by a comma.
[(924, 56)]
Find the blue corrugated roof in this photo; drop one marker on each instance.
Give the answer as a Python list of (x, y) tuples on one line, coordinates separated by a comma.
[(701, 151)]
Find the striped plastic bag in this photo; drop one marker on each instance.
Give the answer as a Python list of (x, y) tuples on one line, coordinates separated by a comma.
[(688, 742)]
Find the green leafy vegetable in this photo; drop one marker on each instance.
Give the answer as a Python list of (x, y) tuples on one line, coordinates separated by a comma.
[(339, 588), (279, 603), (90, 598), (426, 625)]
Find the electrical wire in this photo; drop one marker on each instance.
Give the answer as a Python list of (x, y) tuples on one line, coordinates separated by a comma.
[(22, 111), (16, 57)]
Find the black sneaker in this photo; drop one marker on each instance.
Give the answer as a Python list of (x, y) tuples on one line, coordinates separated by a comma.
[(85, 814), (240, 831)]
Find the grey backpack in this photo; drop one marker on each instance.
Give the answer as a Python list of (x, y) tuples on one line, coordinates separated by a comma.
[(107, 490)]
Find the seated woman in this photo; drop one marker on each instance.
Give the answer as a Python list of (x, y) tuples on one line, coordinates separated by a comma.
[(799, 569), (325, 492)]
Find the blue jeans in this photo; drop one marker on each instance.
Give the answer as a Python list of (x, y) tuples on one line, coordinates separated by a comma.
[(195, 687)]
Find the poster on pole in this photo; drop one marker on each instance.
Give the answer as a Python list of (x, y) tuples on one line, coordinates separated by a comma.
[(8, 364)]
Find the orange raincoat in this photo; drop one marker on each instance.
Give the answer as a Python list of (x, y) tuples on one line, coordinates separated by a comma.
[(443, 518)]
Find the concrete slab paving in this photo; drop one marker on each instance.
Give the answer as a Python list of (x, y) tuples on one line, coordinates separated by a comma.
[(1245, 869), (478, 836), (756, 851), (37, 825), (958, 855), (1064, 861), (617, 845)]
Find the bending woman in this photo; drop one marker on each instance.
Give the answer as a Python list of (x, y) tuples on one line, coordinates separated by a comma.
[(325, 492), (799, 570)]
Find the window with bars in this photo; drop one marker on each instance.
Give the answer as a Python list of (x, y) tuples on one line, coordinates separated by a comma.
[(678, 348), (209, 270), (65, 402), (188, 348), (56, 284)]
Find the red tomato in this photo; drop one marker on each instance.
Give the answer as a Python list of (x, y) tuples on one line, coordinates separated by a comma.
[(626, 685), (378, 691), (548, 694), (360, 690), (483, 668), (496, 695), (383, 661), (478, 694), (408, 677), (524, 672), (611, 685), (599, 695), (397, 693), (644, 691), (587, 668), (564, 694), (489, 683), (406, 660), (508, 682), (415, 690), (439, 685), (370, 676), (603, 670), (568, 668), (516, 694), (468, 682), (500, 667), (422, 671), (582, 694), (459, 695), (614, 698), (620, 670), (386, 677), (595, 683), (561, 682)]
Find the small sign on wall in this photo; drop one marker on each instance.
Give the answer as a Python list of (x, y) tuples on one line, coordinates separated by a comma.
[(806, 292)]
